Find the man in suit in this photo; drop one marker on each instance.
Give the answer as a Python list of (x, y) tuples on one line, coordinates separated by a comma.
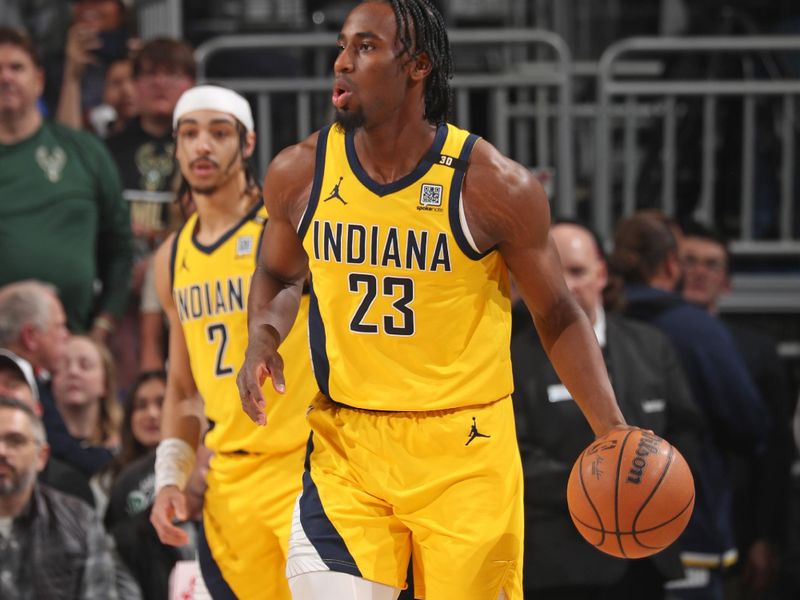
[(652, 393)]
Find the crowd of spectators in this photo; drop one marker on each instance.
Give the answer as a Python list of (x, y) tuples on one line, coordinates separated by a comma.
[(88, 188)]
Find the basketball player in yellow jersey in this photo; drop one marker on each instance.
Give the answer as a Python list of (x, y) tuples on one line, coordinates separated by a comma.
[(203, 276), (409, 227)]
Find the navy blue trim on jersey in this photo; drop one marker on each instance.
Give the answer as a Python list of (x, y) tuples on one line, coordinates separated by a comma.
[(257, 253), (383, 189), (172, 254), (212, 576), (227, 235), (454, 203), (319, 172), (317, 341), (318, 528)]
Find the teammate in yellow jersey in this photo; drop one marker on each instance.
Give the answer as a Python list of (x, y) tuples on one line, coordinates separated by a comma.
[(409, 227), (203, 276)]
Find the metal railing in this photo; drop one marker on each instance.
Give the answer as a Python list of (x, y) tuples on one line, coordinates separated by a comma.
[(519, 92), (532, 116), (664, 95), (159, 18)]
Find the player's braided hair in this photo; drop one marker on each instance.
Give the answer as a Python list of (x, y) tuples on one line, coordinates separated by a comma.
[(420, 28)]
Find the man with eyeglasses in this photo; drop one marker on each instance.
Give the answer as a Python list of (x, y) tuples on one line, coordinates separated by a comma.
[(646, 261), (761, 482), (51, 545)]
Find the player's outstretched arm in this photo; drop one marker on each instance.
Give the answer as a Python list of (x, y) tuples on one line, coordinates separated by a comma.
[(277, 282), (507, 208), (182, 417)]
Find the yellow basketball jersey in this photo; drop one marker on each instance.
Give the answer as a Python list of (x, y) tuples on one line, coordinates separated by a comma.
[(210, 286), (405, 313)]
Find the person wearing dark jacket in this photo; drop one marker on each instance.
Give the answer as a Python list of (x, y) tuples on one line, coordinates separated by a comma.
[(652, 393), (645, 258), (761, 483), (51, 545), (17, 382)]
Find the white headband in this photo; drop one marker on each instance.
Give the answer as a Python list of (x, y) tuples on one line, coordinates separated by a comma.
[(213, 97)]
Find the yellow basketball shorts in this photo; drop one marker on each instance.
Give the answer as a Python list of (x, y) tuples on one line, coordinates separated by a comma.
[(443, 486), (247, 516)]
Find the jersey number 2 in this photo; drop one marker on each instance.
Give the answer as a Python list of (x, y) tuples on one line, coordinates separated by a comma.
[(397, 324), (214, 331)]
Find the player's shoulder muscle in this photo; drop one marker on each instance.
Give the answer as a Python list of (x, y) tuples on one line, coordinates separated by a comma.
[(501, 196), (287, 184)]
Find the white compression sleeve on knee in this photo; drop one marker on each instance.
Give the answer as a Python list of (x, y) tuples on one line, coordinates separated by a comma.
[(174, 463), (331, 585)]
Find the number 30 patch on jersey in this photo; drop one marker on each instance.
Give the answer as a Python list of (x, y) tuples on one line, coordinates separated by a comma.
[(431, 195)]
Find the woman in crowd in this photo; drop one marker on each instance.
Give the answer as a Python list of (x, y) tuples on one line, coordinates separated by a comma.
[(131, 471), (85, 392), (132, 482)]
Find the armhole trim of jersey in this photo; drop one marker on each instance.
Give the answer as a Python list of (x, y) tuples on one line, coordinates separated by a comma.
[(317, 340), (462, 217), (458, 221), (172, 255), (319, 172), (257, 253)]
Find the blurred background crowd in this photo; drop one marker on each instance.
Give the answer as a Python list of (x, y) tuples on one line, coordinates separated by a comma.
[(683, 248)]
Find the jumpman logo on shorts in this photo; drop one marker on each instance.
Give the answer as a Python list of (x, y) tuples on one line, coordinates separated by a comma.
[(335, 192), (474, 433)]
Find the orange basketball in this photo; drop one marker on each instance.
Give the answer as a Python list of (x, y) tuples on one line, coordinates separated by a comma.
[(630, 493)]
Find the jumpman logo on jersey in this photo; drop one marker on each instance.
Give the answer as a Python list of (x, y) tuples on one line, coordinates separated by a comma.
[(184, 266), (335, 192), (474, 433)]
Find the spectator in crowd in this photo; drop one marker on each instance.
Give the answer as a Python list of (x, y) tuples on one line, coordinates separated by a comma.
[(60, 185), (18, 383), (652, 393), (131, 470), (141, 421), (97, 37), (646, 259), (761, 482), (51, 544), (85, 392), (144, 153), (84, 388), (133, 491), (120, 102), (45, 21), (33, 326)]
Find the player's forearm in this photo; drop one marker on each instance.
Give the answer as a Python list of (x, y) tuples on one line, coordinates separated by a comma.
[(573, 349), (272, 303), (182, 415)]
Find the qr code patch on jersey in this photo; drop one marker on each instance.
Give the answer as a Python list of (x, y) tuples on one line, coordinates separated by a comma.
[(431, 195)]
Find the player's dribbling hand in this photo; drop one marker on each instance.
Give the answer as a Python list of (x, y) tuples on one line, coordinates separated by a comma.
[(170, 505), (261, 360)]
